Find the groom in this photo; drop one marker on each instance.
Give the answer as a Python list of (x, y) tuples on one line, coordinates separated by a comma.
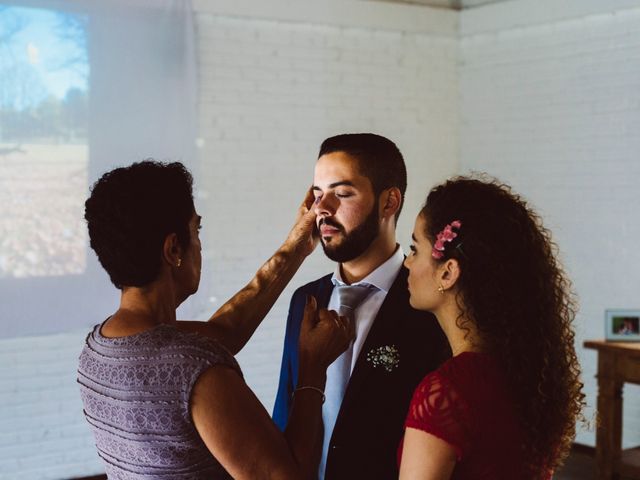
[(359, 184)]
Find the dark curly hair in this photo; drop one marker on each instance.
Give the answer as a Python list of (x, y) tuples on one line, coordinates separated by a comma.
[(130, 212), (379, 159), (515, 292)]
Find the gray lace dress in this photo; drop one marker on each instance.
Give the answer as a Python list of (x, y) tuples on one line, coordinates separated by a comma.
[(135, 392)]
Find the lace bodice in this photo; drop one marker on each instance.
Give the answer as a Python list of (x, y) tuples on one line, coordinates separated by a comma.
[(135, 391), (466, 403)]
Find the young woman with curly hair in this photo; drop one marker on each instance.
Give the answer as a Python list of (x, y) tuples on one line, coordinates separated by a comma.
[(504, 407)]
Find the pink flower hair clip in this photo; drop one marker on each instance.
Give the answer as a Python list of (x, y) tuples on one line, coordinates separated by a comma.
[(446, 235)]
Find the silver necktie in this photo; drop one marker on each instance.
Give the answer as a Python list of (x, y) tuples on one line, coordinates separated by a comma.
[(339, 372)]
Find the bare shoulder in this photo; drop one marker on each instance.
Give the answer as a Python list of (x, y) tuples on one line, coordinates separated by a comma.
[(217, 383), (236, 428)]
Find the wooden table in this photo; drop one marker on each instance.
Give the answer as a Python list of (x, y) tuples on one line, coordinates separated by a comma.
[(618, 362)]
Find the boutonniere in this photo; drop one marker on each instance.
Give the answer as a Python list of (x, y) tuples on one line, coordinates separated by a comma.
[(386, 357)]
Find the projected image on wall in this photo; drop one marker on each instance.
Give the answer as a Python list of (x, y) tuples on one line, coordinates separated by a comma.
[(44, 88)]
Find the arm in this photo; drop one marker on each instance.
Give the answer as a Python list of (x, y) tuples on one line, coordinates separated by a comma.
[(237, 429), (426, 457), (234, 323)]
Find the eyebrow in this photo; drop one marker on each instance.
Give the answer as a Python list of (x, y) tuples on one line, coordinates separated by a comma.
[(347, 183)]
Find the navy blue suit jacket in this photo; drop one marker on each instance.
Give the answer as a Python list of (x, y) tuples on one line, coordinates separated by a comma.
[(370, 423)]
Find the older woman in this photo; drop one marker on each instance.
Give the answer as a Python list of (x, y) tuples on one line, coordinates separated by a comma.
[(504, 406), (165, 398)]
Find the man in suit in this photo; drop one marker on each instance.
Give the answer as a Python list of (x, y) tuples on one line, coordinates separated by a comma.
[(359, 185)]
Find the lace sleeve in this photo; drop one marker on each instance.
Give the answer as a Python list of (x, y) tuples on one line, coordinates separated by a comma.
[(437, 409)]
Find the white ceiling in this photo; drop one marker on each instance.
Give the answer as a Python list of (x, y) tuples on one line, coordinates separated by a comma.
[(452, 4)]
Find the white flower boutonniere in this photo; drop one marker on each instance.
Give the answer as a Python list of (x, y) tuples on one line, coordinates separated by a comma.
[(387, 357)]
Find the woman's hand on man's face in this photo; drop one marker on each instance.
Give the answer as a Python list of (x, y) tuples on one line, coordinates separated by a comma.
[(303, 237)]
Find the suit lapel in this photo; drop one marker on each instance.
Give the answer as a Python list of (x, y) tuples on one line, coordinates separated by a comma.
[(382, 333), (321, 289), (323, 294)]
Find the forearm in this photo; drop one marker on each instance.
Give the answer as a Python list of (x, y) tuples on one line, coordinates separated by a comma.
[(304, 428), (235, 322)]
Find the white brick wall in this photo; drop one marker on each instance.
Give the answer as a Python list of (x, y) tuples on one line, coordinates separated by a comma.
[(554, 110)]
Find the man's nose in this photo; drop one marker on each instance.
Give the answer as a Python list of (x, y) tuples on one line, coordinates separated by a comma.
[(324, 206)]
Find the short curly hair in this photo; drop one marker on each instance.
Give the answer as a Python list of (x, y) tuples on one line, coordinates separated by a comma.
[(130, 212), (514, 290)]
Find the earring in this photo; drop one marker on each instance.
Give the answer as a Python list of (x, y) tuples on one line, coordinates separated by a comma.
[(441, 289), (179, 263)]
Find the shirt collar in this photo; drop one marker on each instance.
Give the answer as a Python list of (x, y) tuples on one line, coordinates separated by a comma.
[(382, 277)]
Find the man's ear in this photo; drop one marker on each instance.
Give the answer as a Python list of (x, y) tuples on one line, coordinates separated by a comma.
[(449, 273), (390, 201), (171, 250)]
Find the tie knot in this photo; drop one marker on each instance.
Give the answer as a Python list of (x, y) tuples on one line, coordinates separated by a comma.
[(350, 296)]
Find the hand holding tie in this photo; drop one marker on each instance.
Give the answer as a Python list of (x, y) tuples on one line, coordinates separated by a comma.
[(324, 335)]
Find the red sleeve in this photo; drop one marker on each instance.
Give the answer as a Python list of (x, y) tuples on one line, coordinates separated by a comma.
[(437, 409)]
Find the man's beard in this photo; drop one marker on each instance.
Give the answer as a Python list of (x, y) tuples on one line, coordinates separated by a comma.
[(355, 243)]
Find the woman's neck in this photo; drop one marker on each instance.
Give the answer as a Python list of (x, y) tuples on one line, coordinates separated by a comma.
[(461, 331), (141, 308)]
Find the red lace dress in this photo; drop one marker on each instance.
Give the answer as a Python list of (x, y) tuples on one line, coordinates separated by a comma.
[(467, 404)]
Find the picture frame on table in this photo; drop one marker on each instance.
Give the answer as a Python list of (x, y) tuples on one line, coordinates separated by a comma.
[(622, 325)]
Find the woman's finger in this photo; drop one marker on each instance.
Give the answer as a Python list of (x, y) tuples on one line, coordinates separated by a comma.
[(350, 327), (310, 310)]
